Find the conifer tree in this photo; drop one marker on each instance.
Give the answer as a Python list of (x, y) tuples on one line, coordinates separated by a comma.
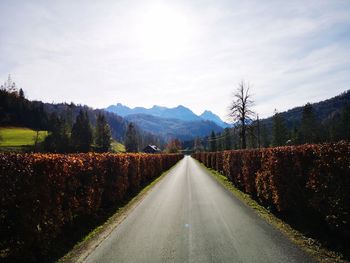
[(103, 133), (212, 142), (82, 133), (131, 143), (309, 127), (345, 123), (198, 147), (264, 136), (58, 139), (279, 130), (227, 139)]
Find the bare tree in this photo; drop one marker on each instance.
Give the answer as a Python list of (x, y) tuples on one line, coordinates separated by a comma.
[(240, 110)]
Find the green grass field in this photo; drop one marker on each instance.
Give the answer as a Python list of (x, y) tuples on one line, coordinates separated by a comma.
[(17, 137), (117, 147)]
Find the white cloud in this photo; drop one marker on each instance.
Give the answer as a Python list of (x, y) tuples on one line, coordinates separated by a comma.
[(100, 53)]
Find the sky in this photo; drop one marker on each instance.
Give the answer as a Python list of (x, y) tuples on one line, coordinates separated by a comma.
[(193, 53)]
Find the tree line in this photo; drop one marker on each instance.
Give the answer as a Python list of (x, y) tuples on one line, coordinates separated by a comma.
[(64, 135), (15, 110), (72, 128), (249, 131), (133, 144), (81, 137)]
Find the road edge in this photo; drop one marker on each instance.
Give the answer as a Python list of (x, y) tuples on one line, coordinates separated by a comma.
[(308, 245), (91, 241)]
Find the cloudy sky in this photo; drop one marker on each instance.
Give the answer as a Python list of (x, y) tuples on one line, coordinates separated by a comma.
[(193, 53)]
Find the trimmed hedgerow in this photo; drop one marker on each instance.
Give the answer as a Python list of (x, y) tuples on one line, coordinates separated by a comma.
[(40, 194), (293, 179)]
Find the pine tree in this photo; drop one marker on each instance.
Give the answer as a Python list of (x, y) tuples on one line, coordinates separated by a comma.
[(227, 139), (309, 127), (58, 139), (82, 133), (21, 93), (345, 123), (131, 143), (103, 133), (212, 142), (252, 139), (198, 147), (279, 130), (264, 136)]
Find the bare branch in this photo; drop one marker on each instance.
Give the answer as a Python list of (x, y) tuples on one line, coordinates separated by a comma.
[(240, 108)]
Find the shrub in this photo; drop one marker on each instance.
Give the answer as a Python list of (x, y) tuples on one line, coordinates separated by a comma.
[(43, 193), (293, 179)]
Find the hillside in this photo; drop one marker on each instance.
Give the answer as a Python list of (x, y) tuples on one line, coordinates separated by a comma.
[(70, 111), (19, 139), (173, 128), (17, 111), (210, 116), (21, 112), (324, 111)]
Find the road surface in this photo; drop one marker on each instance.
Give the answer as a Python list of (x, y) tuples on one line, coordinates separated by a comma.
[(189, 217)]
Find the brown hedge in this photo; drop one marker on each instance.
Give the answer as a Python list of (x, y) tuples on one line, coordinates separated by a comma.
[(293, 179), (42, 193)]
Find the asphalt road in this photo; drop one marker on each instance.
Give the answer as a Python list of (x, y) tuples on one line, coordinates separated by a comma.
[(189, 217)]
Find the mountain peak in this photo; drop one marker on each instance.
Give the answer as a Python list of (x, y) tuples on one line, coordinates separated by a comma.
[(210, 116), (181, 107), (179, 112), (157, 107), (207, 112)]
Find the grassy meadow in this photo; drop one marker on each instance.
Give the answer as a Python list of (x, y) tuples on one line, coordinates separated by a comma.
[(117, 147), (15, 138)]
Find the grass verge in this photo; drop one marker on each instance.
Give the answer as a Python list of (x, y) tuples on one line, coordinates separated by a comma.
[(309, 245), (91, 241)]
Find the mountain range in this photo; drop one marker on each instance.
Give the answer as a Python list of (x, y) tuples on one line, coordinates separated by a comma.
[(179, 113), (157, 124), (168, 128)]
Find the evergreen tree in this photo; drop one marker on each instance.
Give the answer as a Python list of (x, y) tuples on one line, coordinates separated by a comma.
[(220, 141), (227, 139), (264, 136), (198, 147), (21, 93), (279, 130), (131, 143), (309, 127), (252, 138), (294, 135), (344, 127), (58, 140), (82, 133), (103, 133), (236, 138), (212, 142), (69, 115)]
